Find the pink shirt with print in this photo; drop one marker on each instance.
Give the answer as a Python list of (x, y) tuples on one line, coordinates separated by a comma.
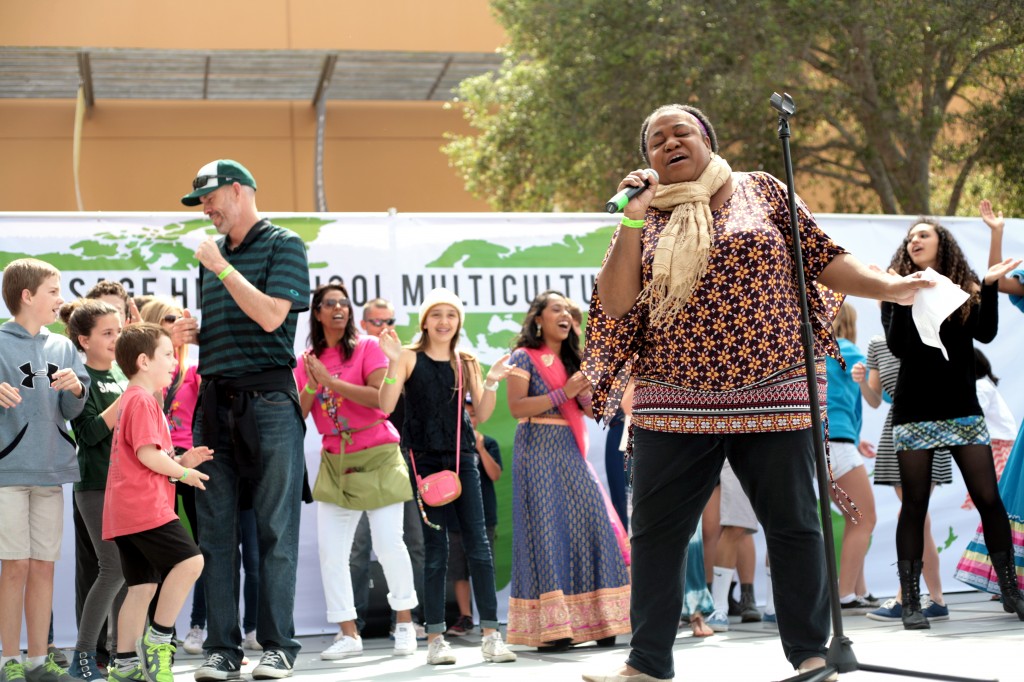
[(348, 415)]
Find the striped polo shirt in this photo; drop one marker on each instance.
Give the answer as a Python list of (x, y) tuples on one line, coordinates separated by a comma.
[(233, 345)]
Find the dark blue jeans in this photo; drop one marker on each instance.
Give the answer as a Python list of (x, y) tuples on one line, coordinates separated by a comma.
[(277, 499), (469, 509), (251, 567), (673, 477), (614, 466)]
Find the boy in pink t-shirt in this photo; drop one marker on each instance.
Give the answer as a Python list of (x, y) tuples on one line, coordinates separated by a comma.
[(138, 511)]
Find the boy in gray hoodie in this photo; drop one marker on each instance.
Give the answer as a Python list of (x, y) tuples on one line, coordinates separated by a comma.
[(43, 384)]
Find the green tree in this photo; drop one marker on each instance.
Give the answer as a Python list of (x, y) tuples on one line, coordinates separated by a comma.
[(889, 95)]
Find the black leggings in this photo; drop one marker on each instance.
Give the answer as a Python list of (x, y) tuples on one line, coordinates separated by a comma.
[(975, 462)]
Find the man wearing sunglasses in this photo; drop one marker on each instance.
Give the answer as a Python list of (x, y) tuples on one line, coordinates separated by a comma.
[(378, 315), (253, 283)]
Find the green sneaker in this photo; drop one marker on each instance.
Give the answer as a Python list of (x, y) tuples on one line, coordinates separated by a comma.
[(155, 659), (115, 675), (12, 671), (49, 671)]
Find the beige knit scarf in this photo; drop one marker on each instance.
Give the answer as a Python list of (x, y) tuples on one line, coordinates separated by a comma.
[(681, 255)]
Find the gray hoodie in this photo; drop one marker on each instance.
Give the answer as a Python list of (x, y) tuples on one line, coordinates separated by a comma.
[(35, 448)]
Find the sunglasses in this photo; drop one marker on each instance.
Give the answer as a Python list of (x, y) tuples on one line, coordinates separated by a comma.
[(171, 318), (201, 180), (334, 303), (380, 323)]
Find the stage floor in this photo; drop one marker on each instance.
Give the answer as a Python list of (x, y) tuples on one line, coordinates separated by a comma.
[(979, 640)]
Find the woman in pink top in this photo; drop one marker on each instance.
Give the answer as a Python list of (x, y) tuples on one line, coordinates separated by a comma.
[(338, 380)]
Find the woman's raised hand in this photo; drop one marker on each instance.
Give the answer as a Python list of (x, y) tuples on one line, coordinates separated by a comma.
[(499, 370), (390, 345), (993, 220), (1001, 269)]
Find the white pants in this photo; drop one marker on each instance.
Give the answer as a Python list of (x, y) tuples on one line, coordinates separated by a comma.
[(336, 526)]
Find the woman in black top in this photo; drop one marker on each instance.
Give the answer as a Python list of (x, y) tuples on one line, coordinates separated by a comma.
[(428, 372), (936, 406)]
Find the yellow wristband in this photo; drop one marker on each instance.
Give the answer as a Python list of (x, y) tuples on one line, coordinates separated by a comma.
[(389, 380), (629, 222), (231, 268)]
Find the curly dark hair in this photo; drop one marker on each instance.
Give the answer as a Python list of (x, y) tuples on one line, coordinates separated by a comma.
[(529, 337), (316, 339), (692, 111), (949, 261)]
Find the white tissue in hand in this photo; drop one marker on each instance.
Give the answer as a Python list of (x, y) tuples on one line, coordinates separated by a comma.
[(933, 305)]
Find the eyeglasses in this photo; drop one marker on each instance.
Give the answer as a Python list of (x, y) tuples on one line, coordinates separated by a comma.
[(201, 180), (334, 303), (380, 323), (171, 318)]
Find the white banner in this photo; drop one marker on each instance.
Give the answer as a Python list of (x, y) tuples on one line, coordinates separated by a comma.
[(497, 263)]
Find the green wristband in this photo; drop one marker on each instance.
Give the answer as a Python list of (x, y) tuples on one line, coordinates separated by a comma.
[(306, 389), (629, 222), (184, 474), (223, 274), (389, 380)]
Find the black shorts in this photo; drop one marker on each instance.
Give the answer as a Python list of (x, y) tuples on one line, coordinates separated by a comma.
[(148, 556)]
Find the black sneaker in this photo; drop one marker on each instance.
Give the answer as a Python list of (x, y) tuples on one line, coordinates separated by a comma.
[(463, 625), (273, 665), (856, 607), (218, 667)]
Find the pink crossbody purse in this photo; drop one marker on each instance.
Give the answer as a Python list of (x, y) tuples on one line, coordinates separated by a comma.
[(437, 490)]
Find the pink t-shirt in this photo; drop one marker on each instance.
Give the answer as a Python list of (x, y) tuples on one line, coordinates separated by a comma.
[(183, 406), (349, 415), (137, 498)]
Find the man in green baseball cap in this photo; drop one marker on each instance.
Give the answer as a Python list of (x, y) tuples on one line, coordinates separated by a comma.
[(217, 174), (253, 283)]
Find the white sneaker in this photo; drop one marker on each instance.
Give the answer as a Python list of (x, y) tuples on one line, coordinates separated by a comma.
[(193, 643), (343, 647), (250, 643), (440, 653), (494, 649), (405, 639)]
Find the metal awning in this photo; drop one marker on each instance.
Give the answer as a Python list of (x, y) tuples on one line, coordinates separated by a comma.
[(123, 73)]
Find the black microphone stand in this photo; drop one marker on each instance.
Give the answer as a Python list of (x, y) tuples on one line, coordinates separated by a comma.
[(840, 657)]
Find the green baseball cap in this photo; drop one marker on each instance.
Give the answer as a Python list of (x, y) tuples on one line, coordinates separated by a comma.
[(217, 174)]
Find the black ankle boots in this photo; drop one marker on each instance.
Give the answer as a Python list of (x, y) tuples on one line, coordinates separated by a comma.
[(910, 584), (1003, 563)]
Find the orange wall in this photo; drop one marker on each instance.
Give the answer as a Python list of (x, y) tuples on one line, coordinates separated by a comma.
[(141, 156), (429, 25)]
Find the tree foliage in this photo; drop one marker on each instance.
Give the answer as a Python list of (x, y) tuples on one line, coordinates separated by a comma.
[(898, 102)]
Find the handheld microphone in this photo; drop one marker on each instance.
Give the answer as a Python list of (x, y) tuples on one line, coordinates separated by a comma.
[(619, 201)]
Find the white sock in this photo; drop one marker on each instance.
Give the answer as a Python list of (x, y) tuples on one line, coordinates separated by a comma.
[(769, 597), (35, 661), (4, 659), (720, 587), (848, 598)]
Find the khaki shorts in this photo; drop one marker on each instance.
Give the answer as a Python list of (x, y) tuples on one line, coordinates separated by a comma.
[(31, 522), (735, 507)]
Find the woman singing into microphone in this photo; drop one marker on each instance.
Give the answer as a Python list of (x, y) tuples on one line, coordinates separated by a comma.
[(697, 301)]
